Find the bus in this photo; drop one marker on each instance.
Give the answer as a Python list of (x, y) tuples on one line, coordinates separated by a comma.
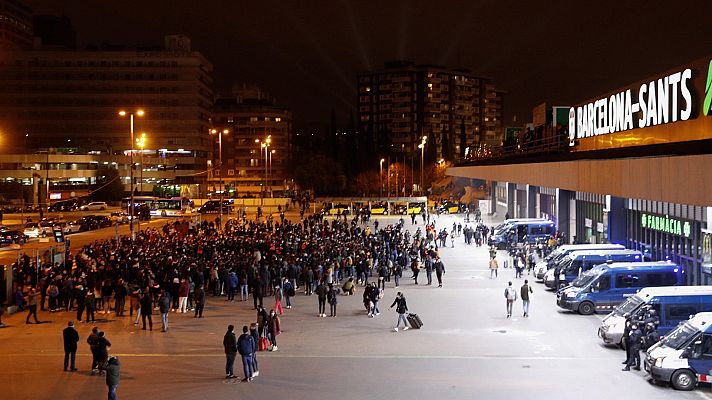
[(173, 207), (137, 200)]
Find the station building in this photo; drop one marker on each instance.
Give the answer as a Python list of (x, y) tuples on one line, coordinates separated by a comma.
[(631, 166)]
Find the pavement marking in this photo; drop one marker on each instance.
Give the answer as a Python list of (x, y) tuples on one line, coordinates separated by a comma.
[(348, 356)]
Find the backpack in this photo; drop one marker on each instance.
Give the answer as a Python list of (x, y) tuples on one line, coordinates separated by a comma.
[(510, 293)]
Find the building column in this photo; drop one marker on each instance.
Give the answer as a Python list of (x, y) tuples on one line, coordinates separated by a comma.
[(563, 213), (616, 220), (493, 198), (531, 201), (511, 199)]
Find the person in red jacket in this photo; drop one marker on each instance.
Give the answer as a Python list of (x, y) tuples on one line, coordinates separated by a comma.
[(183, 292)]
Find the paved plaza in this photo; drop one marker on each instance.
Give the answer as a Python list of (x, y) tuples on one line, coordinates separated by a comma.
[(467, 349)]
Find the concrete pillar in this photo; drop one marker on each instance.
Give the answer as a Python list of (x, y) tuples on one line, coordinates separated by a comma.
[(493, 198), (531, 202), (617, 220), (563, 213), (511, 199), (35, 191)]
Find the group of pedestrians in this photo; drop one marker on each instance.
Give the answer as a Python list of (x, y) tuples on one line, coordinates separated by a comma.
[(102, 363)]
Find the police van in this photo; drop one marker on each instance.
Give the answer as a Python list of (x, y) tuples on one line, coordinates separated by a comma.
[(684, 357), (522, 232), (672, 305), (577, 262), (558, 254), (507, 223), (605, 286)]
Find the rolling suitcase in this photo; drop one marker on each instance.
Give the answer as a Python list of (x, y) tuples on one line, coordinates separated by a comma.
[(414, 321)]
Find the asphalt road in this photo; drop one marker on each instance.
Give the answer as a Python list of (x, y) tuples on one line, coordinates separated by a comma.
[(467, 349)]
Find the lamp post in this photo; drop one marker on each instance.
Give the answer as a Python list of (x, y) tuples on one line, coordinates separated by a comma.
[(220, 133), (141, 142), (271, 193), (380, 175), (422, 159), (138, 113)]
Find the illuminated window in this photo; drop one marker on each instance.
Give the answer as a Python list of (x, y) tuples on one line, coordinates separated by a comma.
[(278, 119), (253, 119), (430, 85)]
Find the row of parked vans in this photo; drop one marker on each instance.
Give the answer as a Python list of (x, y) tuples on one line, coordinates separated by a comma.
[(608, 278)]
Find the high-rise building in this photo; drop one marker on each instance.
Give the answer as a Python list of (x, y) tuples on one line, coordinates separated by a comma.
[(403, 102), (15, 25), (252, 118), (53, 31), (53, 98)]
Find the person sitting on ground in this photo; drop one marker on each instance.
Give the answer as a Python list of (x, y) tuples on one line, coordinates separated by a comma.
[(349, 288)]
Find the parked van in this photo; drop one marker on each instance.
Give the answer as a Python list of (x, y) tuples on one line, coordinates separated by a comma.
[(558, 254), (507, 223), (605, 286), (672, 304), (684, 357), (577, 262), (521, 232)]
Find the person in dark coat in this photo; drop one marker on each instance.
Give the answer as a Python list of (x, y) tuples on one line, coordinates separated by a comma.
[(246, 347), (164, 307), (71, 338), (333, 299), (257, 293), (635, 339), (439, 270), (102, 349), (199, 296), (401, 308), (230, 345), (255, 337), (113, 376), (146, 303), (321, 292)]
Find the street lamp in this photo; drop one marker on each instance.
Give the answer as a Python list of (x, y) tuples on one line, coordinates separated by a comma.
[(270, 168), (421, 146), (220, 133), (141, 142), (138, 113), (381, 174)]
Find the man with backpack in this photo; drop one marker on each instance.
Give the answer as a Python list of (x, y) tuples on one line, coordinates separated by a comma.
[(511, 295)]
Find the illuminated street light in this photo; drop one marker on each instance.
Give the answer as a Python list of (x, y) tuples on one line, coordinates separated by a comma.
[(220, 134), (139, 113)]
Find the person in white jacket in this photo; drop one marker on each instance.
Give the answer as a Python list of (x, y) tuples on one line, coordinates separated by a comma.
[(511, 295)]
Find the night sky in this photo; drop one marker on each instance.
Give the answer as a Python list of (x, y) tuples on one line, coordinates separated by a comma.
[(307, 53)]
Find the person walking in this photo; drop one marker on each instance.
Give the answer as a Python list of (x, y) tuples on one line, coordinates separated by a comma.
[(321, 292), (32, 306), (375, 295), (333, 299), (439, 270), (113, 376), (146, 304), (274, 329), (511, 295), (71, 338), (255, 338), (246, 346), (199, 298), (401, 309), (493, 266), (278, 294), (524, 293), (288, 292), (164, 307), (230, 345)]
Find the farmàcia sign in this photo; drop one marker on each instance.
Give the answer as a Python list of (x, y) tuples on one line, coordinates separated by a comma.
[(666, 224), (665, 100)]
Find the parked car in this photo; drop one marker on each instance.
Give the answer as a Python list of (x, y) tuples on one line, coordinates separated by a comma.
[(72, 227), (12, 237), (34, 229), (102, 221), (94, 206), (67, 205), (448, 207), (120, 217), (212, 207)]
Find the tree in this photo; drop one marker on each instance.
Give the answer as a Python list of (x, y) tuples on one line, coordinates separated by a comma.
[(320, 173), (108, 186), (366, 183)]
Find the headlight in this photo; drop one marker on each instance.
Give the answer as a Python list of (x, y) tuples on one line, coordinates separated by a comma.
[(659, 362), (570, 295)]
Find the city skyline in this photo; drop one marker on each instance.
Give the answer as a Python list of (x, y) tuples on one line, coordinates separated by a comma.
[(310, 62)]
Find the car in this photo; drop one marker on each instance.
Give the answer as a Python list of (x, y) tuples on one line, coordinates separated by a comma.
[(212, 207), (72, 227), (120, 217), (448, 207), (400, 209), (94, 206), (12, 237), (67, 205), (42, 229), (338, 209), (102, 221), (415, 208), (379, 208)]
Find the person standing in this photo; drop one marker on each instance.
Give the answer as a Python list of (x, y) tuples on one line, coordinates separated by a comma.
[(183, 292), (164, 307), (278, 293), (257, 295), (71, 338), (524, 293), (493, 266), (511, 295), (146, 309), (199, 296), (429, 270), (230, 345), (439, 270), (635, 338), (32, 306), (333, 299), (375, 295), (321, 292), (401, 309), (255, 338), (92, 341), (246, 346), (90, 305), (232, 286), (120, 297), (274, 329), (288, 292), (113, 376), (102, 350)]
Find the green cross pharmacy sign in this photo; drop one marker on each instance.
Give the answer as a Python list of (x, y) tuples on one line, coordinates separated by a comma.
[(666, 224)]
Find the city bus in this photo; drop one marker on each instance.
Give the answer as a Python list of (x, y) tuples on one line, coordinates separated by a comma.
[(137, 200), (173, 207)]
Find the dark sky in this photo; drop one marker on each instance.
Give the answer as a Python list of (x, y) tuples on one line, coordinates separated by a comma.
[(307, 53)]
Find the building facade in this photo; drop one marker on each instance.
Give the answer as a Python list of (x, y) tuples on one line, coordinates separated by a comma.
[(403, 102), (15, 25), (252, 119)]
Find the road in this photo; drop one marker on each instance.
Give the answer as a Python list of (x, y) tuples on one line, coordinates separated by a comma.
[(467, 349)]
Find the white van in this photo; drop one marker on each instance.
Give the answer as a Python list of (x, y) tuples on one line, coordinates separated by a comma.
[(555, 256)]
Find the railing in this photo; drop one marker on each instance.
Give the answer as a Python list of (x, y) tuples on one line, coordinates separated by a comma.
[(520, 146)]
